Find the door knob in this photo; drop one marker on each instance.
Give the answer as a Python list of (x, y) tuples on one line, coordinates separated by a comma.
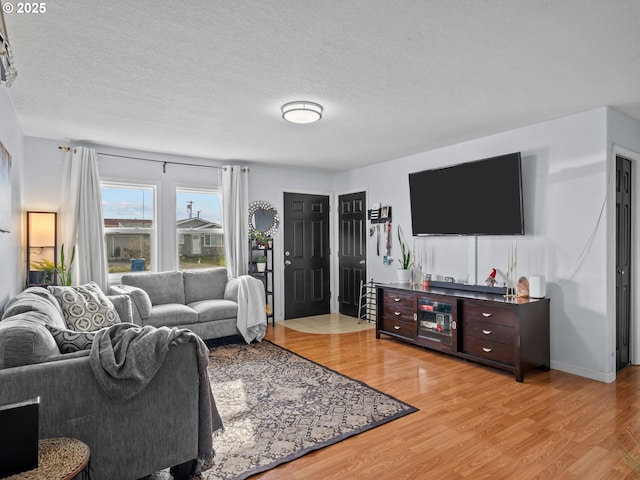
[(286, 254), (287, 262), (362, 262)]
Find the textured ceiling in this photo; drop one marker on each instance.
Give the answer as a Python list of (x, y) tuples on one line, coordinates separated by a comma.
[(207, 78)]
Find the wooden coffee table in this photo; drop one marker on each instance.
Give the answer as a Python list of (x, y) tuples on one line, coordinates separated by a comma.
[(58, 459)]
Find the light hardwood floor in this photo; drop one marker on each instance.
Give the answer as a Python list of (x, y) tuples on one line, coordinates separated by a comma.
[(474, 422)]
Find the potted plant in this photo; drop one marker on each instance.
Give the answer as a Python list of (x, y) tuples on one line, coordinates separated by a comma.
[(41, 272), (46, 272), (260, 239), (63, 271), (261, 263), (404, 272)]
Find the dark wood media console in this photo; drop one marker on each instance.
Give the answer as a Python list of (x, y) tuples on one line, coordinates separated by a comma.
[(511, 334)]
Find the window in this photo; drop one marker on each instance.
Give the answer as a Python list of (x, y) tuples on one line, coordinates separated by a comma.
[(199, 229), (130, 228)]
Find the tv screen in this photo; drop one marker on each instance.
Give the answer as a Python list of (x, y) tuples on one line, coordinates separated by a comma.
[(483, 197)]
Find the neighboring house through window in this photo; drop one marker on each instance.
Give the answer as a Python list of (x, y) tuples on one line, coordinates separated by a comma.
[(199, 229), (130, 228)]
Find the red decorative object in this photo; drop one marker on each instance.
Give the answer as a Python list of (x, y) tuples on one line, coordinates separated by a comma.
[(491, 279)]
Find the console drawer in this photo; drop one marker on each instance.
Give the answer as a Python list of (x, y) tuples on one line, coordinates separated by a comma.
[(399, 327), (397, 312), (488, 312), (499, 352), (398, 305), (395, 297), (491, 332)]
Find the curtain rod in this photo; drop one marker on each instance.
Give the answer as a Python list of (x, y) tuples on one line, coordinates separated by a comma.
[(163, 162)]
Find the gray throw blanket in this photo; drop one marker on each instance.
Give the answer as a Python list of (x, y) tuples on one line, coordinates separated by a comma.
[(125, 357)]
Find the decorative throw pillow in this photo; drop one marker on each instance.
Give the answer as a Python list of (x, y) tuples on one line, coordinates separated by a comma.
[(85, 307), (69, 341)]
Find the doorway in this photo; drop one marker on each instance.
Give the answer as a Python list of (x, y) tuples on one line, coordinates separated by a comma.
[(307, 272), (624, 215), (352, 253)]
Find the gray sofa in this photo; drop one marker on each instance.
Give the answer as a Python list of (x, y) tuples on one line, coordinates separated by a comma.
[(151, 431), (203, 300)]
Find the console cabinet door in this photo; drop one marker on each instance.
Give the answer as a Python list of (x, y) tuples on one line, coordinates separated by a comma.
[(436, 316)]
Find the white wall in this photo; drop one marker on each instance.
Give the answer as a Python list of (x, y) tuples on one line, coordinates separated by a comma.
[(624, 139), (567, 180), (42, 191), (565, 185), (270, 184), (12, 256)]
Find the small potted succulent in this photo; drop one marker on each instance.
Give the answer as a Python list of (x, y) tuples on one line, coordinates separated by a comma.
[(261, 263)]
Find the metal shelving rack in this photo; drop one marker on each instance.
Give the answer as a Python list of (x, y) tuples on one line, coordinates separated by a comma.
[(266, 277)]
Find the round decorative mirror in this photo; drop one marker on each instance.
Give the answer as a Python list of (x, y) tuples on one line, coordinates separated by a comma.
[(263, 218)]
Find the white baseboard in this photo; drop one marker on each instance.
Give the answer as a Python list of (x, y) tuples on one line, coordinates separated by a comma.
[(606, 377)]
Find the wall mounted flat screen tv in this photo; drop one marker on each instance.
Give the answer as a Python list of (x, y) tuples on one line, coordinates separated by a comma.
[(482, 197)]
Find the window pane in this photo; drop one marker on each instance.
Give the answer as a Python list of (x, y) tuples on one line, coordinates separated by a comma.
[(199, 229), (128, 213), (127, 206)]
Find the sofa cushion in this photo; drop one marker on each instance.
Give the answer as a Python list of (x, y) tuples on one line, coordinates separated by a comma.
[(122, 304), (85, 307), (139, 298), (204, 284), (209, 310), (231, 290), (25, 340), (162, 287), (36, 299), (171, 315), (69, 341)]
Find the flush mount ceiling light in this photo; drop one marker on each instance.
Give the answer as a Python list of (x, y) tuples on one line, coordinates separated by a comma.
[(302, 112)]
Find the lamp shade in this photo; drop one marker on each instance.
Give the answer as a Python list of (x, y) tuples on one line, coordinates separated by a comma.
[(41, 228), (302, 112)]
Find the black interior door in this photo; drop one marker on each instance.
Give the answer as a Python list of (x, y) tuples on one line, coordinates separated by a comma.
[(352, 253), (307, 277), (623, 260)]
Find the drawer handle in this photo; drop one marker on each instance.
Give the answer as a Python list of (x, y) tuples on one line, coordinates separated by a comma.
[(486, 314), (396, 327), (396, 299), (486, 332), (485, 349), (397, 314)]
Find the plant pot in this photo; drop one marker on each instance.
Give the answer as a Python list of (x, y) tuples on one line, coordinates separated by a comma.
[(261, 267), (403, 276), (36, 277)]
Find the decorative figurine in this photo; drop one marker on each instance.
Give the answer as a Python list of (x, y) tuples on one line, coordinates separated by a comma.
[(491, 279)]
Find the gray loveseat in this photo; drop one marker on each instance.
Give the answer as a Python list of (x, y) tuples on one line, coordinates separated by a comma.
[(151, 431), (203, 300)]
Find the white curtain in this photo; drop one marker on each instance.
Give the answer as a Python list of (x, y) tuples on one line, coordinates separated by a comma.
[(235, 218), (81, 218)]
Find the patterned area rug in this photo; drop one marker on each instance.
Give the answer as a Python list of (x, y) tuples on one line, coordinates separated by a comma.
[(278, 406)]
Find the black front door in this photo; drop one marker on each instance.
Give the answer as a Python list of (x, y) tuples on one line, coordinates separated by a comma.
[(623, 260), (306, 255), (352, 253)]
